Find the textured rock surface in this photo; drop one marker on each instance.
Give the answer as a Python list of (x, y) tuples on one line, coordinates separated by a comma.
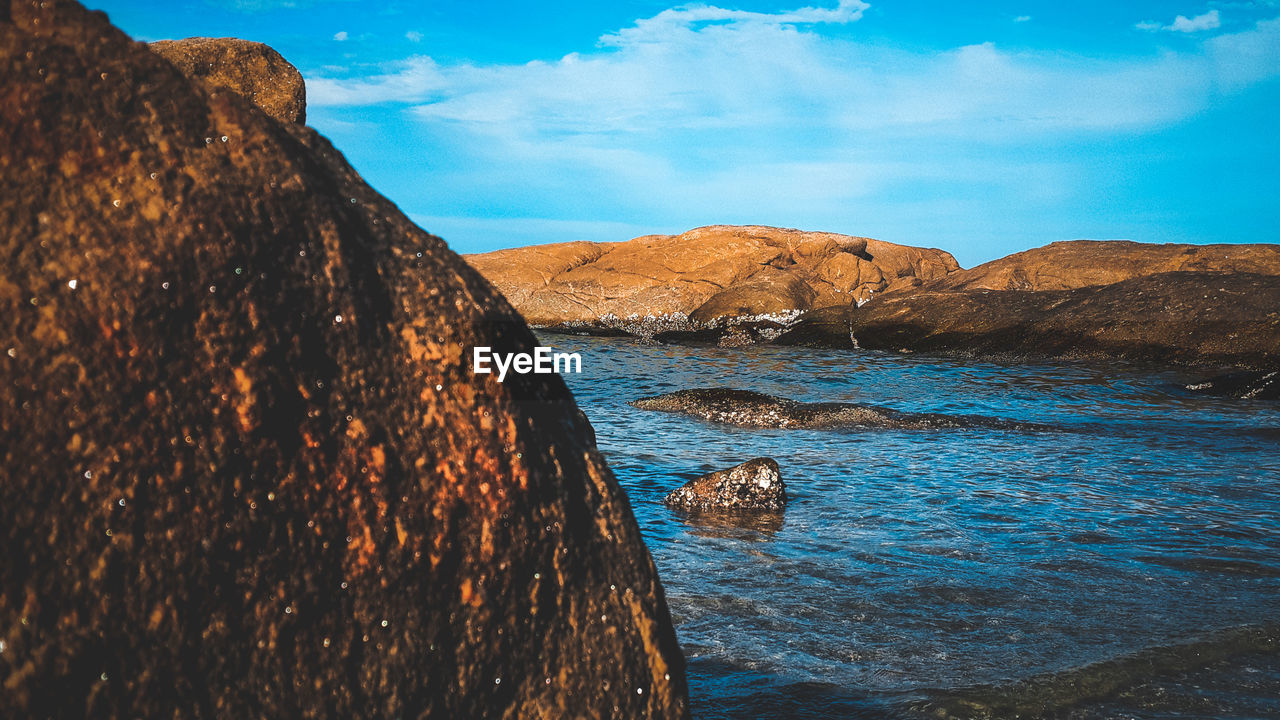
[(1182, 318), (708, 274), (252, 70), (747, 408), (753, 485), (1081, 263), (247, 471)]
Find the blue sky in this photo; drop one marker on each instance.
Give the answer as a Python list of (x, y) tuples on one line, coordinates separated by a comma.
[(982, 128)]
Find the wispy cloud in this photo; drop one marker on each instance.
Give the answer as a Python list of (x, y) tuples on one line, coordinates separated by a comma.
[(715, 115), (413, 36), (1183, 24), (1022, 19), (705, 68), (340, 36)]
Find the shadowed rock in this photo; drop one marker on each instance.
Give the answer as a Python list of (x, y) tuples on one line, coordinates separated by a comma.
[(1181, 317), (753, 485), (251, 70), (1248, 385), (247, 470), (747, 408), (704, 277)]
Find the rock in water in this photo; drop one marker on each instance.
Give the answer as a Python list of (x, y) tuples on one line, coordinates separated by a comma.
[(247, 471), (747, 408), (753, 485), (1247, 385), (250, 69)]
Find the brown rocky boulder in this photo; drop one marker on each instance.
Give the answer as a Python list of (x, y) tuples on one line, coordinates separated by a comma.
[(753, 485), (247, 469), (250, 69), (719, 272), (1190, 318), (1081, 263)]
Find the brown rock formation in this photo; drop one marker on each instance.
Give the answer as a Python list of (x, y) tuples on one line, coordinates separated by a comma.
[(1193, 318), (753, 485), (1082, 263), (709, 273), (252, 70), (247, 471)]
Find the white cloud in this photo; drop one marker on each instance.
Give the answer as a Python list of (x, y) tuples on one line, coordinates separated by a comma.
[(414, 36), (689, 17), (1022, 19), (1208, 21), (340, 36), (757, 72), (748, 117)]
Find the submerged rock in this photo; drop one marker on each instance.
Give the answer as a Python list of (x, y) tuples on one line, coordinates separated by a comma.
[(248, 471), (753, 485), (1247, 385), (250, 69), (747, 408), (1189, 318), (702, 278)]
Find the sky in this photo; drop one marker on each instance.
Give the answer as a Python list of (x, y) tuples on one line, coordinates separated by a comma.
[(982, 128)]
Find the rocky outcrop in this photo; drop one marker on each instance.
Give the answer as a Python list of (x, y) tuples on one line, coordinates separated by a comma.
[(1083, 263), (251, 70), (1190, 318), (747, 408), (704, 277), (753, 485), (248, 471)]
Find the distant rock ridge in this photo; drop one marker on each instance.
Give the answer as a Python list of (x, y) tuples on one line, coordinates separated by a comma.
[(1174, 318), (703, 278), (247, 468), (1082, 263)]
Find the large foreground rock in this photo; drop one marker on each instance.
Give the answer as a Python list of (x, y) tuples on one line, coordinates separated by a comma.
[(1190, 318), (703, 276), (753, 485), (247, 471), (1082, 263), (250, 69)]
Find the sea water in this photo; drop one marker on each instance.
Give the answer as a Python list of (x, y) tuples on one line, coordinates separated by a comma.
[(1123, 563)]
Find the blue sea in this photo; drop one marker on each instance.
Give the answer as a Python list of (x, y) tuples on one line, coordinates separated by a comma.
[(1123, 563)]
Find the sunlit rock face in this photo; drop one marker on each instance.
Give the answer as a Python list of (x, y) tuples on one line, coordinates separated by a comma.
[(702, 277), (250, 69), (1084, 263), (247, 471)]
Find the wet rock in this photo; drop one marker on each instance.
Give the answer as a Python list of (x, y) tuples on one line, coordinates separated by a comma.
[(1247, 385), (747, 408), (1082, 263), (1188, 318), (753, 485), (701, 278), (248, 471), (250, 69)]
